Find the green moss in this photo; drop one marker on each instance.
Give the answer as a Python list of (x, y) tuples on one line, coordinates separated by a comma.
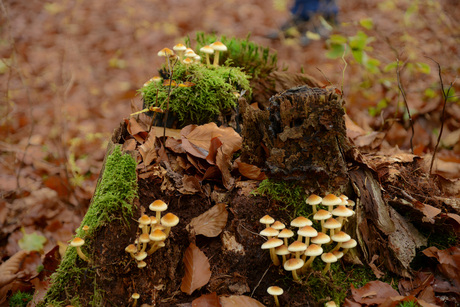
[(212, 91), (289, 193), (112, 199), (20, 299)]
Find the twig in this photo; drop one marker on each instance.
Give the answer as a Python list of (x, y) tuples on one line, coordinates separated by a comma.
[(258, 284), (403, 93), (171, 72), (445, 97)]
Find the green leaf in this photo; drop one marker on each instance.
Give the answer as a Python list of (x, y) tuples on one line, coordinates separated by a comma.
[(337, 39), (423, 68), (430, 93), (367, 23), (390, 66), (31, 242), (336, 51), (360, 40)]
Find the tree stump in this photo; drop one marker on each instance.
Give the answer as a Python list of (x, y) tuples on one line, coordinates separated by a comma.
[(301, 137)]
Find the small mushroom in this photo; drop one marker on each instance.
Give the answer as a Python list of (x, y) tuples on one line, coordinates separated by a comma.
[(77, 243), (300, 222), (313, 200), (157, 236), (132, 249), (342, 212), (347, 245), (332, 224), (321, 238), (180, 49), (293, 265), (166, 52), (328, 258), (269, 232), (141, 264), (307, 232), (168, 221), (330, 201), (297, 247), (267, 220), (275, 291), (322, 215), (218, 47), (339, 237), (282, 251), (271, 244), (286, 234), (144, 239), (158, 206), (135, 297), (278, 225), (312, 251), (145, 221), (207, 50)]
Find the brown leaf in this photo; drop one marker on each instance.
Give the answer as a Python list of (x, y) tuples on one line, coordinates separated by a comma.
[(223, 163), (148, 150), (211, 223), (215, 145), (191, 185), (9, 268), (197, 269), (201, 137), (250, 171), (239, 301), (174, 145), (207, 300), (135, 129), (430, 212), (374, 292), (129, 145)]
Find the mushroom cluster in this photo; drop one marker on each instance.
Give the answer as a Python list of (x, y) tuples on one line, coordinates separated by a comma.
[(310, 242), (154, 232)]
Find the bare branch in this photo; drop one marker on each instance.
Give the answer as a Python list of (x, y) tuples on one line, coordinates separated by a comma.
[(403, 93)]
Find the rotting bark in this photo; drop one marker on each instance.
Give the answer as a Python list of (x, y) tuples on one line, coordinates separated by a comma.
[(301, 137)]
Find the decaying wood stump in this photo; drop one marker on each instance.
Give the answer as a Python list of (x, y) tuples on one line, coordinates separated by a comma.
[(302, 137)]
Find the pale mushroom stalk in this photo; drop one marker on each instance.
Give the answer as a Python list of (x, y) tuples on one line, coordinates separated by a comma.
[(80, 253)]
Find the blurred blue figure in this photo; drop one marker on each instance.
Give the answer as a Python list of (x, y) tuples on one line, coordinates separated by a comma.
[(306, 16)]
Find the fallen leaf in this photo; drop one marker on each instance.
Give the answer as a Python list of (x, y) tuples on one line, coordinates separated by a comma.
[(31, 242), (197, 269), (148, 150), (251, 171), (374, 292), (239, 301), (9, 268), (215, 145), (207, 300), (129, 145), (191, 185), (374, 268), (223, 163), (135, 129), (211, 223)]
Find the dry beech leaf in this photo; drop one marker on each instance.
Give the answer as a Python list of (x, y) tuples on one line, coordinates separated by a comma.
[(239, 301), (148, 150), (215, 144), (207, 300), (9, 268), (250, 171), (197, 269), (135, 129), (211, 223), (223, 163), (374, 292)]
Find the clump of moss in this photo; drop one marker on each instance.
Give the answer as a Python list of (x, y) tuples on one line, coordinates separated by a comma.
[(20, 299), (289, 193), (198, 92), (112, 199), (253, 59)]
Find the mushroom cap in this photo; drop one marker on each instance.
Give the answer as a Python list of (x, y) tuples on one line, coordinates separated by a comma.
[(179, 47), (135, 296), (165, 52), (140, 256), (153, 220), (322, 215), (155, 79), (158, 205), (332, 223), (314, 199), (131, 248), (169, 220), (341, 210), (278, 225), (331, 200), (307, 231), (350, 203), (272, 243), (293, 264), (144, 238), (301, 221), (76, 242), (207, 49), (144, 220), (340, 237), (267, 219), (338, 254), (141, 264), (330, 304), (190, 53), (275, 290), (321, 238), (297, 246), (313, 250), (286, 233), (343, 196), (187, 61), (328, 257), (157, 235), (350, 243), (218, 46), (269, 232), (85, 228), (282, 250)]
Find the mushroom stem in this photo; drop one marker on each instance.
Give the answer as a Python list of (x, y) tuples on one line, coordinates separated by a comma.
[(314, 209), (216, 58), (322, 227), (294, 275), (309, 262), (80, 253), (336, 247), (208, 62), (274, 257), (328, 265), (277, 302)]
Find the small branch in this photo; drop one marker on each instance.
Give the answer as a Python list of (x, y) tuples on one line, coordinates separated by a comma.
[(403, 93), (445, 96)]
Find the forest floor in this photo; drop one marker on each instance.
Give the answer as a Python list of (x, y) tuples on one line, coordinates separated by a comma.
[(70, 71)]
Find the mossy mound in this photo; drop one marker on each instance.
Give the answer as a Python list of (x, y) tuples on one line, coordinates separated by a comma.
[(112, 200), (198, 93)]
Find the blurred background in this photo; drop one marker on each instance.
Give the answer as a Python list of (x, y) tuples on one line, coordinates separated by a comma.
[(70, 70)]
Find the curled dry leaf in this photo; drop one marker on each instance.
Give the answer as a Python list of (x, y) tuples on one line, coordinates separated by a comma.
[(239, 301), (211, 223), (374, 292), (197, 269), (250, 171), (207, 300), (9, 268), (148, 150)]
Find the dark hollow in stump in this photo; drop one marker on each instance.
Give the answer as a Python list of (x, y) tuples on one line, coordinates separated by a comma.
[(302, 137)]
